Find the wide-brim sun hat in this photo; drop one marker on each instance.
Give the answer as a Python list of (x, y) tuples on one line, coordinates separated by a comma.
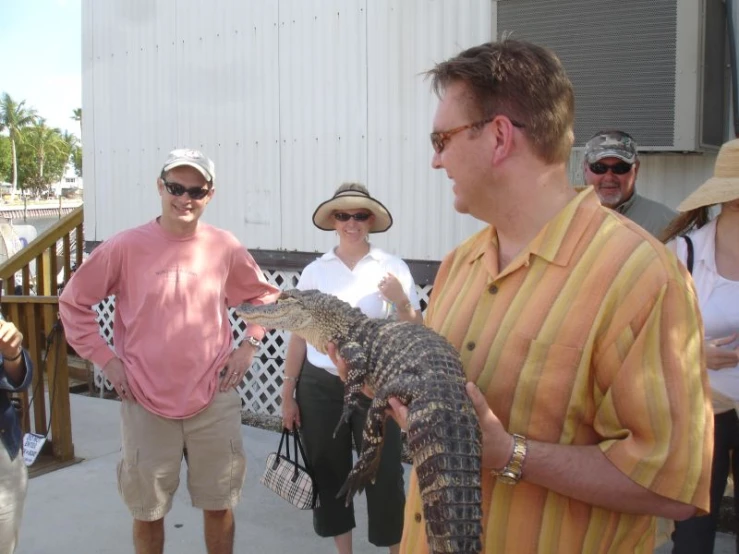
[(723, 186), (352, 196)]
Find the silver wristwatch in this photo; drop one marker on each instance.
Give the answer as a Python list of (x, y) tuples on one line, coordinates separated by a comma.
[(256, 343)]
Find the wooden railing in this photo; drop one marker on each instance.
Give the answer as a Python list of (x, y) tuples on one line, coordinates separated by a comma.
[(36, 317), (40, 263), (32, 304)]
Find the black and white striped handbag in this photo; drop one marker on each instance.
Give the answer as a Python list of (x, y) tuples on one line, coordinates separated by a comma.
[(285, 476)]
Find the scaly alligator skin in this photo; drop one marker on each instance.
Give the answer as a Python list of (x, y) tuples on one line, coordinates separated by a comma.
[(421, 369)]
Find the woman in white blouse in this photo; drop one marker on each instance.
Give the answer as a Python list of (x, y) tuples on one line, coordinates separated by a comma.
[(381, 285), (709, 248)]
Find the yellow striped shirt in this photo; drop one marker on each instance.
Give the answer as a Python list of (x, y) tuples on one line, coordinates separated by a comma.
[(591, 335)]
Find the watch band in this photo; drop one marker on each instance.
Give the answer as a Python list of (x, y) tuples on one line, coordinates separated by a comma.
[(513, 471)]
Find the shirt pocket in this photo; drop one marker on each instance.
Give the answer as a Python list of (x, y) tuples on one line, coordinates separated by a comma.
[(551, 395)]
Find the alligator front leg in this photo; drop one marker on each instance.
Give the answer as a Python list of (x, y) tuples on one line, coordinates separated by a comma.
[(373, 435), (356, 361)]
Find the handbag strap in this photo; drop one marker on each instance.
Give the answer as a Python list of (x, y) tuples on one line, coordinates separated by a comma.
[(285, 433), (299, 447), (689, 244)]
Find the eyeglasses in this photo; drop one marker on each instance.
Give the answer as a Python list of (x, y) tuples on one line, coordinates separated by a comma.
[(359, 216), (620, 168), (440, 138), (176, 189)]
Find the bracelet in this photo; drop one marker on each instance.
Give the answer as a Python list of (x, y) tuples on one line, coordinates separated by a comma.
[(405, 307), (289, 378), (14, 358)]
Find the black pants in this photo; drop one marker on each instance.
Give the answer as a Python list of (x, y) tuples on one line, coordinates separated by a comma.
[(698, 534), (320, 397)]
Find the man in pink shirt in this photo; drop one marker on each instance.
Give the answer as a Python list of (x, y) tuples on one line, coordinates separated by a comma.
[(174, 365)]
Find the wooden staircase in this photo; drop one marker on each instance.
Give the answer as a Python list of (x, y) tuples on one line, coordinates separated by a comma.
[(31, 282)]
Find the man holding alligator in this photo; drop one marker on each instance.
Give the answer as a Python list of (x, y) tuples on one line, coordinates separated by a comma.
[(577, 331)]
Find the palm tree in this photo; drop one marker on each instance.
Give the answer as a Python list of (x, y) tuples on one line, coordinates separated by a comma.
[(14, 117), (77, 116), (45, 140), (70, 142)]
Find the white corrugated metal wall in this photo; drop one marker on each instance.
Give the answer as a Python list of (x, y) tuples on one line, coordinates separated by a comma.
[(289, 98), (158, 75), (323, 109), (406, 38)]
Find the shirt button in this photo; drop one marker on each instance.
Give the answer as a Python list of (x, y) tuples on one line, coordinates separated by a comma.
[(470, 345), (492, 289), (417, 517)]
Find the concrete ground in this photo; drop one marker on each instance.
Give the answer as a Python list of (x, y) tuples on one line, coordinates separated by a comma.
[(77, 510)]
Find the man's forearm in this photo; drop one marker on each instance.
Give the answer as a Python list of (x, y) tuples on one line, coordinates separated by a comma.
[(585, 474)]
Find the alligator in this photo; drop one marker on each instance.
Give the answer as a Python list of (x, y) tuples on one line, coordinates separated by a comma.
[(421, 369)]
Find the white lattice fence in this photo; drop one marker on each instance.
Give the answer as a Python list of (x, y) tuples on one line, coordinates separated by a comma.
[(260, 389), (104, 311)]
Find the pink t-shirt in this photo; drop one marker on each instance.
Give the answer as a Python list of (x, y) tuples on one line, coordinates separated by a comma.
[(171, 327)]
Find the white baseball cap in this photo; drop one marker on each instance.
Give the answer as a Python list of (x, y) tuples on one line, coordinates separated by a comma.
[(192, 158)]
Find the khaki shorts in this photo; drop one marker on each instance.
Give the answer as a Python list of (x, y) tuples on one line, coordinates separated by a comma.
[(153, 448), (13, 485)]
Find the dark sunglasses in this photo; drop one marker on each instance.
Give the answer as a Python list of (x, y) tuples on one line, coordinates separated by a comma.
[(176, 189), (359, 216), (620, 168), (440, 138)]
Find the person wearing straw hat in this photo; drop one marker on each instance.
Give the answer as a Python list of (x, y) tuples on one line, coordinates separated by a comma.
[(381, 285), (16, 372), (709, 247)]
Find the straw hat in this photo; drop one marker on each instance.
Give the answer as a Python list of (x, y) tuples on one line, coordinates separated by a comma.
[(723, 186), (352, 196)]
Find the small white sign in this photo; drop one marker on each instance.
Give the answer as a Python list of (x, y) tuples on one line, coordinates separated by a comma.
[(32, 445)]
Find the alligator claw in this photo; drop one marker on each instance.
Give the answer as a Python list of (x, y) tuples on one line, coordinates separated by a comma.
[(354, 484), (344, 419)]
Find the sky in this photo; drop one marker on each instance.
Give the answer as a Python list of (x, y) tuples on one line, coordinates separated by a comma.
[(41, 57)]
